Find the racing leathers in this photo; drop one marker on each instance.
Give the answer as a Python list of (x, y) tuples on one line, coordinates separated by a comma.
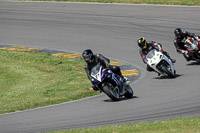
[(179, 42), (105, 62)]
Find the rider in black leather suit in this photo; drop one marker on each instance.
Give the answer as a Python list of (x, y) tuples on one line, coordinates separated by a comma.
[(93, 60), (145, 47), (180, 36)]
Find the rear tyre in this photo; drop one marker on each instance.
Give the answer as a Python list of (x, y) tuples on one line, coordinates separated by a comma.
[(111, 91)]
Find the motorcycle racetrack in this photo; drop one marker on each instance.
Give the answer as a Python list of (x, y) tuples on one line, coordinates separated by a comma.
[(112, 30)]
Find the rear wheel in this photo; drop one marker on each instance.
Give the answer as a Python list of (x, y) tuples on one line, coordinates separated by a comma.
[(111, 91)]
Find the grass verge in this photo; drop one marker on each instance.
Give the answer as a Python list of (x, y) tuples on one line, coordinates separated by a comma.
[(34, 79), (162, 2), (183, 125)]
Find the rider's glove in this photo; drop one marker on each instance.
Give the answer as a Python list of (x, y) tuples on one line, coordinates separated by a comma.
[(179, 50), (184, 51), (109, 67), (197, 38)]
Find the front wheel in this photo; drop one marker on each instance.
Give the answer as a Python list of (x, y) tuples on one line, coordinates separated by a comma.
[(112, 92), (129, 93), (167, 70)]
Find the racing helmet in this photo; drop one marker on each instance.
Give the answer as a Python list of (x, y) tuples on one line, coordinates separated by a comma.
[(142, 42), (88, 55), (178, 32)]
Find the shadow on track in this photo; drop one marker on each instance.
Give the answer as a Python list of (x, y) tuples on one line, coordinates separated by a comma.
[(121, 99), (167, 77), (193, 63)]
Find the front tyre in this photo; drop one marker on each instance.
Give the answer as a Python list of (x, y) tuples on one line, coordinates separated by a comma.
[(129, 93), (167, 70), (111, 91)]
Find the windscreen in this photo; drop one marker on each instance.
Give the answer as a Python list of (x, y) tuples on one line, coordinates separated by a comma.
[(151, 53), (95, 70), (192, 44)]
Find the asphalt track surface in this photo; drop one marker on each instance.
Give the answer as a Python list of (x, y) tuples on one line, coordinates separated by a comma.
[(111, 30)]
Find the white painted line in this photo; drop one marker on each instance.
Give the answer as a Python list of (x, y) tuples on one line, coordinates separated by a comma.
[(52, 105)]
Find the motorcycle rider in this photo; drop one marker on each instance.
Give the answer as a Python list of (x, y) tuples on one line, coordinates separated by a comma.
[(145, 47), (179, 43), (93, 60)]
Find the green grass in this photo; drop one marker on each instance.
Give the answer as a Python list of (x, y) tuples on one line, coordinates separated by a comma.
[(186, 125), (163, 2), (33, 79)]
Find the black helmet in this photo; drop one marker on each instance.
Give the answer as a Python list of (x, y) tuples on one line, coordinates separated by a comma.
[(88, 55), (178, 32), (142, 42)]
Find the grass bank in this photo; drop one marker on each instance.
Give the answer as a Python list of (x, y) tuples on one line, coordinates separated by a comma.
[(34, 79), (162, 2), (186, 125)]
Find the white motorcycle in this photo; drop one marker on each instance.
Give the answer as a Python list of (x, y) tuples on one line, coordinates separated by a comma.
[(160, 63)]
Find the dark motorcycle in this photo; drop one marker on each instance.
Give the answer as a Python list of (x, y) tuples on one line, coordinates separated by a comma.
[(110, 83), (193, 48)]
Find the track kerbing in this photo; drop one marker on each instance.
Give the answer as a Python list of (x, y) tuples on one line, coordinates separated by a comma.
[(128, 70)]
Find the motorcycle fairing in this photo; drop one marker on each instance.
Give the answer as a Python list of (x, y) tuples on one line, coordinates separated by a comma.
[(155, 57), (97, 73)]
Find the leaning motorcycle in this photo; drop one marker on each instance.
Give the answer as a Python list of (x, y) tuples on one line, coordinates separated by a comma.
[(193, 48), (160, 63), (110, 83)]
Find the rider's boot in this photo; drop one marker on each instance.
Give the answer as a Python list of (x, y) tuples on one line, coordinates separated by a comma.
[(173, 60)]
